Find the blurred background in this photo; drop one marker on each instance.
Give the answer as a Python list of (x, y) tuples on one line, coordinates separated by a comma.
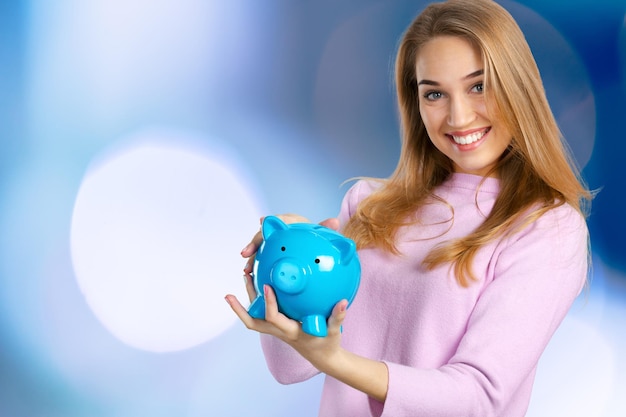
[(142, 140)]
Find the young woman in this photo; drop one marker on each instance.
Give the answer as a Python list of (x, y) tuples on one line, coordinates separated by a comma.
[(472, 252)]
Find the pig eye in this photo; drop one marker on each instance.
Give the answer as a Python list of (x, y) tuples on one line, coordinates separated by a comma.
[(317, 260), (282, 248)]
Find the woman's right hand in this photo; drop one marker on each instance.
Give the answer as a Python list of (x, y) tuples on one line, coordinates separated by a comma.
[(249, 251)]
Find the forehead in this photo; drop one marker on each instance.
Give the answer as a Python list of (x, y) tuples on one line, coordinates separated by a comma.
[(447, 58)]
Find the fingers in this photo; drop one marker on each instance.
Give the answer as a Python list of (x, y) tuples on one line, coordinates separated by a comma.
[(337, 316), (251, 248), (249, 266), (261, 326), (275, 323), (249, 251), (293, 218), (331, 223), (241, 312), (287, 328), (250, 288)]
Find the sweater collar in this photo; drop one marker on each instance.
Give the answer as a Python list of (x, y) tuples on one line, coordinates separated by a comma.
[(473, 182)]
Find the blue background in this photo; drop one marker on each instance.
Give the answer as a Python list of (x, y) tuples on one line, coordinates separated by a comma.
[(301, 94)]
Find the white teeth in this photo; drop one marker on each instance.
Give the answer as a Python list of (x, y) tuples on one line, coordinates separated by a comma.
[(471, 138)]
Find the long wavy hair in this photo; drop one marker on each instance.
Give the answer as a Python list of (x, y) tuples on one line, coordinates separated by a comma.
[(537, 172)]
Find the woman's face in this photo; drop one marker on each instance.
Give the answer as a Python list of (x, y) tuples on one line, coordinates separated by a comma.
[(450, 78)]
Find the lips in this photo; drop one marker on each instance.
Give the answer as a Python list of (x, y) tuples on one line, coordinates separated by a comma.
[(469, 138)]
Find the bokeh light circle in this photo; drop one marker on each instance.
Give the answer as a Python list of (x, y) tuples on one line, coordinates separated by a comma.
[(564, 77), (155, 242)]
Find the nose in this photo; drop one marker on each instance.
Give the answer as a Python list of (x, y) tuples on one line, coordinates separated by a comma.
[(460, 112)]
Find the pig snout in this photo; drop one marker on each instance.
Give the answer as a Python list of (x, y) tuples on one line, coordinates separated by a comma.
[(289, 276)]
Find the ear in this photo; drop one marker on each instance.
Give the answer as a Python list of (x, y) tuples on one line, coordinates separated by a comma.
[(346, 247), (272, 224)]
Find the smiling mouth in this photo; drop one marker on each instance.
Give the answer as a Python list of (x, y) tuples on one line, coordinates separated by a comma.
[(471, 138)]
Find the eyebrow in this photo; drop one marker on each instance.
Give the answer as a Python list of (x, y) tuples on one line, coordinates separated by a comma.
[(467, 77)]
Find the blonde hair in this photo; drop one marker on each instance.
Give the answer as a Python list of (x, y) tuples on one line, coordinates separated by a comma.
[(536, 171)]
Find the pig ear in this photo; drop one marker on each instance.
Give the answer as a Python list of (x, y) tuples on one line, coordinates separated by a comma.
[(346, 247), (272, 224)]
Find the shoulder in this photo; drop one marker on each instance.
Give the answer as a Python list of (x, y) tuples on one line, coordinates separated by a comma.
[(362, 189), (561, 221), (552, 252), (359, 191), (559, 239)]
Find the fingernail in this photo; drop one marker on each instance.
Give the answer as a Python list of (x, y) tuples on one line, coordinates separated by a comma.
[(227, 300), (247, 247), (245, 279)]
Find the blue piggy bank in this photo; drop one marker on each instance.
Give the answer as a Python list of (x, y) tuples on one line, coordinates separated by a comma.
[(310, 267)]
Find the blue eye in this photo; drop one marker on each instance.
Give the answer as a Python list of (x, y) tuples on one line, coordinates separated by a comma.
[(433, 95)]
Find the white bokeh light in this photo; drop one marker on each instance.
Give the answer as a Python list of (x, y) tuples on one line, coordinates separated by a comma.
[(155, 240), (576, 374)]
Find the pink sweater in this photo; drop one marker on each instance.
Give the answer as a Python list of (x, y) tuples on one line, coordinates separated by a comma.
[(453, 351)]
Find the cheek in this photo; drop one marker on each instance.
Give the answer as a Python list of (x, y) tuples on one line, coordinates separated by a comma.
[(505, 139), (482, 109), (429, 117), (432, 119)]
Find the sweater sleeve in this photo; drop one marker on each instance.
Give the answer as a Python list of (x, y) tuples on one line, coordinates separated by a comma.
[(538, 273), (285, 364)]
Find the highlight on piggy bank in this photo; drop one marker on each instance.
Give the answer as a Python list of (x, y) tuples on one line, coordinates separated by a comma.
[(310, 267)]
